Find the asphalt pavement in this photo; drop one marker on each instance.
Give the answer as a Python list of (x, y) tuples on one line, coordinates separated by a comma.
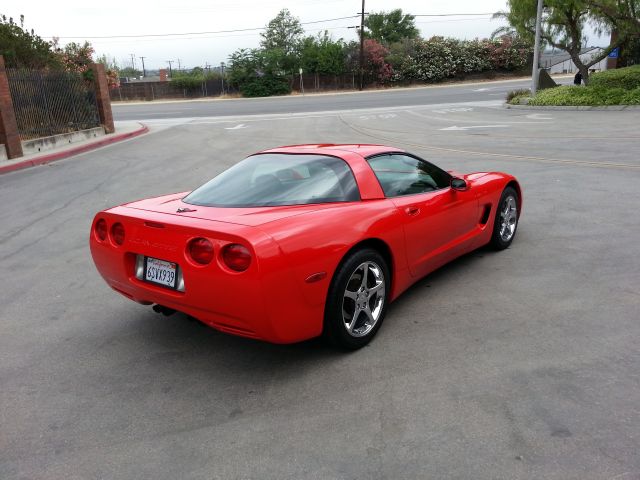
[(400, 97), (521, 364)]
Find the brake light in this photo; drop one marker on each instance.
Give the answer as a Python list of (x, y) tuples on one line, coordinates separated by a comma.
[(236, 257), (201, 251), (101, 229), (117, 233)]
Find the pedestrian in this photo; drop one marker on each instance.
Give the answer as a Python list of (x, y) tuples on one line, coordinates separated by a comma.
[(577, 80)]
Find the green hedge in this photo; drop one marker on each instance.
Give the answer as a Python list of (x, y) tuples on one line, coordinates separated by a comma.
[(627, 78), (265, 86), (586, 96)]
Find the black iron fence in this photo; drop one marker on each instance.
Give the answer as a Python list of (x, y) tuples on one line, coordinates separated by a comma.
[(52, 102)]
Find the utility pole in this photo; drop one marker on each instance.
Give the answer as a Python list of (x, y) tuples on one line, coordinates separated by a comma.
[(222, 76), (170, 62), (536, 50), (178, 65), (362, 46), (144, 72), (133, 60)]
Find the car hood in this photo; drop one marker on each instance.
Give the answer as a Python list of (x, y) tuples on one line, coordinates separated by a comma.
[(253, 216)]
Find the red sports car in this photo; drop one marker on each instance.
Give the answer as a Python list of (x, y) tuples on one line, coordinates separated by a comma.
[(301, 241)]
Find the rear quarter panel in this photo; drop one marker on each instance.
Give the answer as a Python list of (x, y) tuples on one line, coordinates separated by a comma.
[(317, 242)]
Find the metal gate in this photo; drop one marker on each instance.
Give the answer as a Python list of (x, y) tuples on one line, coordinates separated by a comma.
[(51, 102)]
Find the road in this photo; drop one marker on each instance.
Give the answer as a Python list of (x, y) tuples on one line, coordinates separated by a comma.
[(521, 364), (406, 97)]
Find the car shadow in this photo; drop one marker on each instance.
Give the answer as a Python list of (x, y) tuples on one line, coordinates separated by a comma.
[(445, 273), (179, 340)]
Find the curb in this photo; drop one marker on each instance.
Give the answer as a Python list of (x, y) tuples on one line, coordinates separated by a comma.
[(611, 108), (52, 157)]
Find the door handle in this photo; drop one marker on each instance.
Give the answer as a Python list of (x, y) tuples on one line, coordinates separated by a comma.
[(413, 211)]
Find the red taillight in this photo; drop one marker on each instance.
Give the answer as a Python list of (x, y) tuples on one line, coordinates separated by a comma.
[(201, 251), (101, 229), (117, 233), (236, 257)]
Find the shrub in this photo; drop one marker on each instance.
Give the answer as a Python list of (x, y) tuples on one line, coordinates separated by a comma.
[(439, 58), (627, 78), (586, 96), (265, 86), (186, 82), (514, 96)]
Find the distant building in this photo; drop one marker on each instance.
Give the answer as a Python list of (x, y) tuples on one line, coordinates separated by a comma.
[(560, 61)]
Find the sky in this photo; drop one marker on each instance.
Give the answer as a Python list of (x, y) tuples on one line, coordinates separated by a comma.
[(79, 20)]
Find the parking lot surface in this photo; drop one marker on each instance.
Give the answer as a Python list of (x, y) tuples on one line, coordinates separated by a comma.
[(512, 365)]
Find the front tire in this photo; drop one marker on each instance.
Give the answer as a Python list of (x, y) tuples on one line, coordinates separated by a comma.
[(357, 299), (506, 220)]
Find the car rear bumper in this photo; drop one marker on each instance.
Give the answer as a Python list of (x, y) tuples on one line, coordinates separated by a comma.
[(262, 303)]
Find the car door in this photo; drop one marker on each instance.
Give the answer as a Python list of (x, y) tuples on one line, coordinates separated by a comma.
[(439, 221)]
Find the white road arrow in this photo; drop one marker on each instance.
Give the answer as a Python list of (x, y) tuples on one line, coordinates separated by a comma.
[(481, 89), (242, 125), (456, 128)]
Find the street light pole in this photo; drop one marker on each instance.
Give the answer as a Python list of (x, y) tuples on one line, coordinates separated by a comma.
[(362, 47), (536, 51)]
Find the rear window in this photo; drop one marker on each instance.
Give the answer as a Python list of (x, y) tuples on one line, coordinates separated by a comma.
[(275, 179)]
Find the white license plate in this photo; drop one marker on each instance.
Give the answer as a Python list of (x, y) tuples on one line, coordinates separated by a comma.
[(160, 272)]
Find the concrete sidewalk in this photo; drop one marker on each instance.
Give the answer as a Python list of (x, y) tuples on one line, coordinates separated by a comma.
[(124, 131)]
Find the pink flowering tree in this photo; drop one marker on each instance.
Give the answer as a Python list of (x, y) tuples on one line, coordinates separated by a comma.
[(375, 63)]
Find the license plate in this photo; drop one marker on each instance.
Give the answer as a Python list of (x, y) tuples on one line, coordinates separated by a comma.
[(160, 272)]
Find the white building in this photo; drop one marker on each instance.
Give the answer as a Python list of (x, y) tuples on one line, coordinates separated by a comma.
[(562, 63)]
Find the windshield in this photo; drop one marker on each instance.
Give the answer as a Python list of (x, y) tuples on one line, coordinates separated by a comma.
[(279, 179)]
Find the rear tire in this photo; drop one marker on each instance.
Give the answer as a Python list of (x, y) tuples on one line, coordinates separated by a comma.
[(357, 300), (506, 219)]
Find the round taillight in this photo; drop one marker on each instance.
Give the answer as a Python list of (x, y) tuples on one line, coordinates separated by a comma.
[(201, 251), (117, 233), (101, 229), (236, 257)]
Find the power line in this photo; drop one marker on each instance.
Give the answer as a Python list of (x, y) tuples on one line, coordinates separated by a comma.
[(255, 28), (204, 33), (454, 14)]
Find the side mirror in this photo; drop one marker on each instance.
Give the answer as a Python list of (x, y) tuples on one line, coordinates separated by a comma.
[(459, 184)]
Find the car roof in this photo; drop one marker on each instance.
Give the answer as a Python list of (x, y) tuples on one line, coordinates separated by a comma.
[(362, 149)]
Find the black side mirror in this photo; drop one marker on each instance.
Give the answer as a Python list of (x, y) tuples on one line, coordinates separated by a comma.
[(459, 184)]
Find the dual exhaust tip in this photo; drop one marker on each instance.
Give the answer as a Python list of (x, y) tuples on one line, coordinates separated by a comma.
[(166, 311)]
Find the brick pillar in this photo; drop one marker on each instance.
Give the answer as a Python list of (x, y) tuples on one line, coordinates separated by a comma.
[(102, 97), (163, 74), (8, 127)]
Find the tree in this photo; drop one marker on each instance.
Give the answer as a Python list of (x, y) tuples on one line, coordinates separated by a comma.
[(621, 17), (391, 27), (282, 40), (323, 55), (23, 48), (76, 57), (563, 24)]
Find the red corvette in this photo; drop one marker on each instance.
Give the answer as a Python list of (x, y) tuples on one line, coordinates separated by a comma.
[(301, 241)]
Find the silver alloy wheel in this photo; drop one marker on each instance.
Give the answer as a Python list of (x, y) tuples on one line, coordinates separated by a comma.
[(363, 299), (508, 218)]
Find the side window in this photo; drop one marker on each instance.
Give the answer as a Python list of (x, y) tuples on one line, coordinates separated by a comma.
[(404, 175)]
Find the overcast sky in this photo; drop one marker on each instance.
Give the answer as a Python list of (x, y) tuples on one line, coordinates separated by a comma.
[(79, 20)]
